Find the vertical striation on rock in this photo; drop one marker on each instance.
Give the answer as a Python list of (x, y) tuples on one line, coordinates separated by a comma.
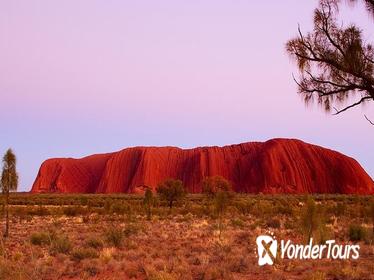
[(274, 166)]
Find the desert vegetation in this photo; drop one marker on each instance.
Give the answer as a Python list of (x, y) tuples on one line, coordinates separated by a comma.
[(119, 236)]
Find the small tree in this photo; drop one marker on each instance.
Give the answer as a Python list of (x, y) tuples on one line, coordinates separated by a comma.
[(171, 191), (372, 215), (313, 220), (214, 184), (220, 190), (148, 202), (9, 182)]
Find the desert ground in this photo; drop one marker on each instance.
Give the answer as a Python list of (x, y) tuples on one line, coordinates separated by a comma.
[(54, 236)]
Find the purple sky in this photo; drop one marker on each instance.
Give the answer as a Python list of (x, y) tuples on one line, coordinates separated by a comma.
[(81, 77)]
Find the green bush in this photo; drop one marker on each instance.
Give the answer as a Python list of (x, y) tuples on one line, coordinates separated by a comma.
[(263, 209), (131, 229), (94, 242), (40, 211), (40, 238), (340, 209), (237, 223), (73, 211), (244, 207), (61, 245), (273, 223), (79, 254), (119, 208), (356, 233), (83, 200), (114, 236)]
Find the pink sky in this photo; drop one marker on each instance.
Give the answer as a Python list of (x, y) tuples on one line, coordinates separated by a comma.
[(82, 77)]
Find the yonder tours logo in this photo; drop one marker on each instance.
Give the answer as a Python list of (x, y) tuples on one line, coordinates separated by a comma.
[(267, 249)]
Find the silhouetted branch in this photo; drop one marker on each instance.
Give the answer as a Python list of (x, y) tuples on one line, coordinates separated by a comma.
[(335, 63), (372, 123), (352, 105)]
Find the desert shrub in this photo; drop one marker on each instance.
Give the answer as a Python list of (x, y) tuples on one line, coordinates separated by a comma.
[(273, 223), (159, 275), (340, 209), (73, 211), (214, 184), (79, 254), (106, 255), (60, 244), (148, 203), (323, 234), (21, 212), (263, 208), (40, 211), (83, 200), (94, 242), (284, 209), (284, 205), (131, 229), (289, 224), (120, 208), (114, 236), (221, 202), (313, 221), (44, 237), (206, 209), (91, 269), (238, 263), (356, 232), (40, 238), (213, 272), (318, 275), (85, 219), (244, 207), (91, 203), (369, 213), (237, 223), (171, 191)]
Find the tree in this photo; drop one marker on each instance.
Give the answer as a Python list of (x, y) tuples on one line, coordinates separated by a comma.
[(309, 218), (220, 190), (372, 216), (336, 65), (171, 190), (369, 5), (211, 185), (313, 221), (148, 202), (9, 182)]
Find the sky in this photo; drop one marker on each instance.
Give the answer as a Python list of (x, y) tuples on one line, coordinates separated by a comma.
[(79, 77)]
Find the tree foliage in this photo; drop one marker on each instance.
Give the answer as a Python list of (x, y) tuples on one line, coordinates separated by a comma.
[(220, 190), (336, 64), (171, 190), (148, 202), (313, 221), (9, 182), (214, 184), (9, 176)]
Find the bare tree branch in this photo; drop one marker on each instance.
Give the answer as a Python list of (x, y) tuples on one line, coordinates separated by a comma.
[(352, 105), (372, 123)]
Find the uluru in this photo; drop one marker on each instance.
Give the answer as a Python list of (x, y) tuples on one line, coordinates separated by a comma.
[(275, 166)]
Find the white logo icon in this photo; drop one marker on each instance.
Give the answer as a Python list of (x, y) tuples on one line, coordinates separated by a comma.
[(266, 249)]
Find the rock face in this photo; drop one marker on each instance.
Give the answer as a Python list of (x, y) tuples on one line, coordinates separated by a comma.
[(274, 166)]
